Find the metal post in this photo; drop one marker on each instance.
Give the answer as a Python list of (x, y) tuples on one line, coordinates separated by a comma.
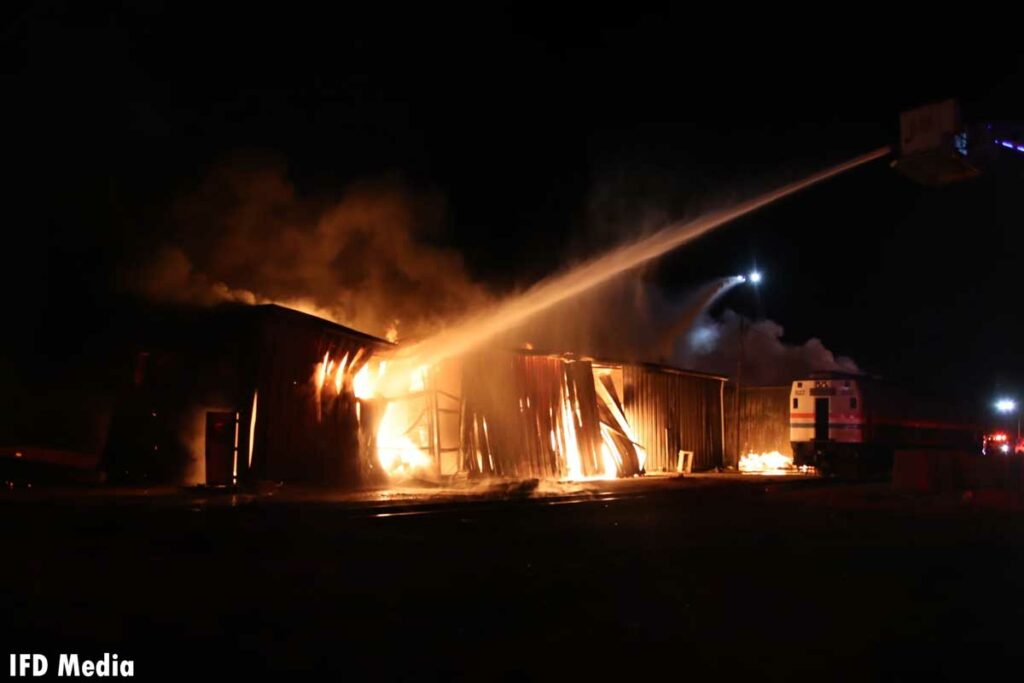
[(430, 388), (739, 386)]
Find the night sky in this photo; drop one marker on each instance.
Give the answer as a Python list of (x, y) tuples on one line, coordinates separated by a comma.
[(550, 135)]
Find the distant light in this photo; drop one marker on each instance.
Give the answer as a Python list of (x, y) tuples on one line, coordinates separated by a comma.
[(1020, 148), (755, 277), (1005, 448), (1004, 143), (1006, 405), (742, 278)]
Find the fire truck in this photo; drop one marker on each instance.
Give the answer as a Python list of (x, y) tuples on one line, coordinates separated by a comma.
[(1000, 443), (937, 148), (851, 425)]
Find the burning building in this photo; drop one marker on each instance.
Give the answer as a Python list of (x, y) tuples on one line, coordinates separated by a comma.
[(260, 393), (523, 414), (229, 394)]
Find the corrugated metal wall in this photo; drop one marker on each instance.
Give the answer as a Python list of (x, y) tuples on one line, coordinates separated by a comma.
[(672, 411), (764, 420), (301, 434), (514, 424)]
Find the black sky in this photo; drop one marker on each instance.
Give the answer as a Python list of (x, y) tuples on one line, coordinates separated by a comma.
[(551, 133)]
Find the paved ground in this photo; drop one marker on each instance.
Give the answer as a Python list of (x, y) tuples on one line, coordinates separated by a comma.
[(682, 578)]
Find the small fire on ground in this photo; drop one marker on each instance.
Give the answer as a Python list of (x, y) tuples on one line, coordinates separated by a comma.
[(771, 463)]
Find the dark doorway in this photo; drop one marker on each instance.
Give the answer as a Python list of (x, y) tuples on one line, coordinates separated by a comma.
[(820, 419), (221, 446)]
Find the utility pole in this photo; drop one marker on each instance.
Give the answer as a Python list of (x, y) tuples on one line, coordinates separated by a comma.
[(739, 386), (754, 279)]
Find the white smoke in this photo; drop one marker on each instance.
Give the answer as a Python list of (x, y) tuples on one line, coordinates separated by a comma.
[(628, 320), (712, 345)]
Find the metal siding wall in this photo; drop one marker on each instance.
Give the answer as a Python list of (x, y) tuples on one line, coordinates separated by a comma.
[(764, 420), (203, 360), (509, 418), (672, 412), (291, 442), (502, 436)]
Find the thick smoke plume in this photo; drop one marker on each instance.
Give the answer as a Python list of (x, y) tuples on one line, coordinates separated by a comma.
[(364, 261)]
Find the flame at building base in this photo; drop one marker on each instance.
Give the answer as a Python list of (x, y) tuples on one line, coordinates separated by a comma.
[(396, 452), (406, 440), (401, 440), (772, 463)]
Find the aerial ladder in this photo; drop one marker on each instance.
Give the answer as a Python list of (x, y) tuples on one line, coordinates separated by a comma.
[(936, 148)]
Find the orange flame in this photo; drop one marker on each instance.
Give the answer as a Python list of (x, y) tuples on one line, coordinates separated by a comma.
[(771, 463), (397, 454)]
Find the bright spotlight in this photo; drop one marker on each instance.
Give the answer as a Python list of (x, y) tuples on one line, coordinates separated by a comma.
[(1006, 405), (755, 277)]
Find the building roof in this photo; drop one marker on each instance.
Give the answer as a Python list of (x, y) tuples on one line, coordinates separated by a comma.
[(832, 374), (661, 367), (299, 318)]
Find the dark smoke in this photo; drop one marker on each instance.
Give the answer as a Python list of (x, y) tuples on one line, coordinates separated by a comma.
[(364, 261)]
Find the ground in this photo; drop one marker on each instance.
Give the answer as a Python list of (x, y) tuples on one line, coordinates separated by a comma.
[(689, 577)]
